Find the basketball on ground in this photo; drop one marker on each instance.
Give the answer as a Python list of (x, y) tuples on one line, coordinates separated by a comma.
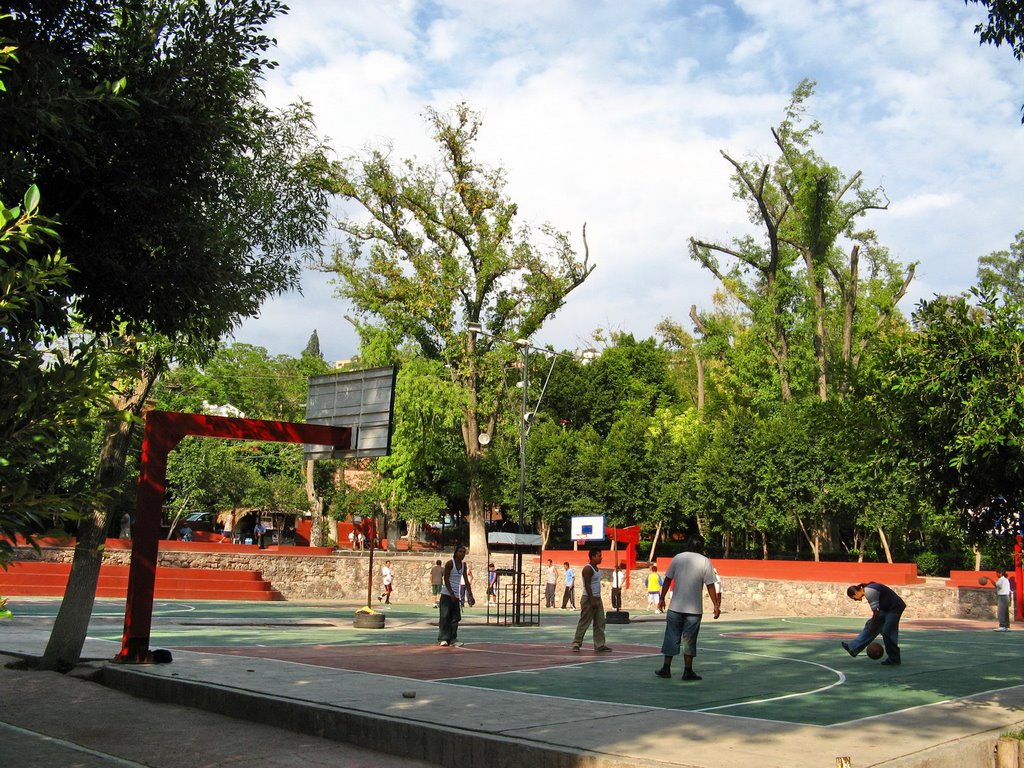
[(874, 650)]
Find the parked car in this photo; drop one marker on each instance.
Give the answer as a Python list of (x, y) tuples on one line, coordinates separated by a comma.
[(197, 521)]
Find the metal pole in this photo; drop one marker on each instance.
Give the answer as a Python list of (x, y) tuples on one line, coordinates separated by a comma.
[(369, 575), (1018, 585), (522, 442), (517, 607)]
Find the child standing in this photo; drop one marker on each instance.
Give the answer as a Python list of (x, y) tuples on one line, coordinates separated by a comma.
[(653, 588)]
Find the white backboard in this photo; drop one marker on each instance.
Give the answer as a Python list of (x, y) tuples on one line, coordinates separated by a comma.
[(589, 528)]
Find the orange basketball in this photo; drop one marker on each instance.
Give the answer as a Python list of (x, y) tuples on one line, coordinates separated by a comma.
[(983, 580), (874, 650)]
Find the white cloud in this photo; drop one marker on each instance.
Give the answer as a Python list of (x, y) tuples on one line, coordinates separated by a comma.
[(614, 114), (927, 203)]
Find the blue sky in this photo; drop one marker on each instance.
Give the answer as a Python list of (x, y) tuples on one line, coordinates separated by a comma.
[(615, 113)]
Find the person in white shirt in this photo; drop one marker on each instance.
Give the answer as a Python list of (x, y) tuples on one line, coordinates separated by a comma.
[(386, 577), (618, 580), (1002, 587), (551, 579), (688, 575), (449, 605)]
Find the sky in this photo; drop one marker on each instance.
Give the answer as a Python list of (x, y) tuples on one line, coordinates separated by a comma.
[(614, 113)]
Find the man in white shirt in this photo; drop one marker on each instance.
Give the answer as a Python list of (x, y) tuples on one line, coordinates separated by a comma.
[(687, 574), (387, 577), (550, 580), (618, 580), (1002, 587)]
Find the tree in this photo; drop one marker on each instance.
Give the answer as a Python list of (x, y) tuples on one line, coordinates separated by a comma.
[(184, 201), (1002, 272), (563, 476), (629, 376), (409, 483), (49, 379), (441, 250), (313, 346), (953, 407), (1005, 25), (817, 293), (809, 303)]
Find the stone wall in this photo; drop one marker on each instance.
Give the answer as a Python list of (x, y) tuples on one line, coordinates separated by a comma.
[(342, 576)]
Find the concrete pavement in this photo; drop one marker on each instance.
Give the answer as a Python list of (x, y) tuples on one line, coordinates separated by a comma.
[(219, 710)]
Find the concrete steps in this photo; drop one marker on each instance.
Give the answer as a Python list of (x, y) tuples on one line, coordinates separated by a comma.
[(32, 578)]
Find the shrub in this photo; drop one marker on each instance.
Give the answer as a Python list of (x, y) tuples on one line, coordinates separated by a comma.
[(928, 563)]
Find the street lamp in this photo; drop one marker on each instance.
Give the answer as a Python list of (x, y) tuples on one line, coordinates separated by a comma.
[(525, 419)]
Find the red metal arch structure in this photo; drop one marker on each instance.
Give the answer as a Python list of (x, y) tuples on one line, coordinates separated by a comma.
[(163, 431)]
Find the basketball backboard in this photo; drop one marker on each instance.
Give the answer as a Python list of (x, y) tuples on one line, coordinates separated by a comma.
[(587, 528), (363, 400)]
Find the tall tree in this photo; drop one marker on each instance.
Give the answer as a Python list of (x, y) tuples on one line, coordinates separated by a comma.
[(442, 250), (313, 346), (799, 274), (184, 202), (819, 292)]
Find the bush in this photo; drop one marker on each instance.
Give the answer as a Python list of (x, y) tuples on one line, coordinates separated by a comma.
[(928, 563)]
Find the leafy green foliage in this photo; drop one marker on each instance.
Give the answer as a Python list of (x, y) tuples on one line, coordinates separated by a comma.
[(812, 307), (183, 199), (629, 377), (215, 475), (1001, 273), (49, 379), (442, 249), (954, 406)]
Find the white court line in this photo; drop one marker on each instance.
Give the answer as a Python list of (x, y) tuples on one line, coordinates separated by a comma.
[(836, 672)]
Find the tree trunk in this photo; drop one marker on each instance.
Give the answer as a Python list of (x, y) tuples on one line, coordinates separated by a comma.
[(697, 357), (67, 637), (654, 543), (316, 507), (764, 545), (177, 516), (812, 540), (390, 527), (477, 528), (885, 544)]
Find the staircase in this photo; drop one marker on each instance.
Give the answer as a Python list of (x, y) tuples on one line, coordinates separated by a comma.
[(25, 578)]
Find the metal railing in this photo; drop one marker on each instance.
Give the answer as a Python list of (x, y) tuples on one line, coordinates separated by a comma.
[(517, 603)]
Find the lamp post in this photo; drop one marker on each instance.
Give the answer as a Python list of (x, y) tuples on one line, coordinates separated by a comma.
[(524, 347), (525, 417)]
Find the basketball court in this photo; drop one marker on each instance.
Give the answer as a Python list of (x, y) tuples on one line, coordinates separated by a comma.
[(788, 669)]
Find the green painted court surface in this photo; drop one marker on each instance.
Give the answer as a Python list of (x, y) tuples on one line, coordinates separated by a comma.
[(784, 669)]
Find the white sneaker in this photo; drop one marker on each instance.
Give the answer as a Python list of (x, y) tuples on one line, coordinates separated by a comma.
[(443, 643)]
